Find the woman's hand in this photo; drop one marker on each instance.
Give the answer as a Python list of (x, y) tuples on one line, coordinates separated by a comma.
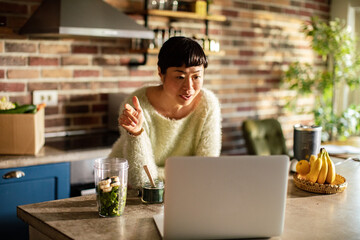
[(132, 119)]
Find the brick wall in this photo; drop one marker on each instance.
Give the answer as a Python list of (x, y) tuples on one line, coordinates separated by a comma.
[(260, 39)]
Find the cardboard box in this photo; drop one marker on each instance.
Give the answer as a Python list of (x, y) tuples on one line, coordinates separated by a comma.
[(22, 133)]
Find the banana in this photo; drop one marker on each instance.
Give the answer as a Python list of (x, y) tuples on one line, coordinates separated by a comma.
[(324, 169), (331, 170), (312, 159), (315, 168)]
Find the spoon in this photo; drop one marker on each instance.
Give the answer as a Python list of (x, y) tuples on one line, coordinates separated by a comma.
[(149, 176)]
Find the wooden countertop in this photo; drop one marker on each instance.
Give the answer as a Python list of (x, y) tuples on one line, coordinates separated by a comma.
[(308, 215)]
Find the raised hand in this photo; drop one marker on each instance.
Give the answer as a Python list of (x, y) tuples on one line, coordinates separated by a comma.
[(131, 118)]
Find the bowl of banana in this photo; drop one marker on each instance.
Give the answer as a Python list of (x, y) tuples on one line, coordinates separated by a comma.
[(339, 185), (320, 176)]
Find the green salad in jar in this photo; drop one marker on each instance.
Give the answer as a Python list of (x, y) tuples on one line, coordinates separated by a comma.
[(111, 197)]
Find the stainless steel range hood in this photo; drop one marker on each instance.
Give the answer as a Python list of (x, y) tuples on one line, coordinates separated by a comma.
[(88, 18)]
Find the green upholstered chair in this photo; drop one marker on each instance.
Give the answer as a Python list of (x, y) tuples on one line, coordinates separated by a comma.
[(264, 137)]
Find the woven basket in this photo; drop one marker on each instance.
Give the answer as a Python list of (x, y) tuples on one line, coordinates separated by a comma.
[(338, 186)]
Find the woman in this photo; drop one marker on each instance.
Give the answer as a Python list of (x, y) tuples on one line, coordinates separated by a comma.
[(176, 118)]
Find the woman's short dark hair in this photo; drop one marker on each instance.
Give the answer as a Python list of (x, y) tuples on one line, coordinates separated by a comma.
[(179, 51)]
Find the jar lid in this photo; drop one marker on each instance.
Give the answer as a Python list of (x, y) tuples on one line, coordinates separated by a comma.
[(301, 127)]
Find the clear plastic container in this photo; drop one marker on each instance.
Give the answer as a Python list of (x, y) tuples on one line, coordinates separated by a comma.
[(151, 194), (111, 176)]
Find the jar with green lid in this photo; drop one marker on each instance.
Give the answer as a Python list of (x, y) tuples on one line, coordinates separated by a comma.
[(152, 194)]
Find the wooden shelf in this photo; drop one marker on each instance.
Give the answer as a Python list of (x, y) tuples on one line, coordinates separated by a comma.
[(185, 15)]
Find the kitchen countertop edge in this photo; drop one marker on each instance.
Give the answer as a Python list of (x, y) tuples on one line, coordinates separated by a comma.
[(49, 155)]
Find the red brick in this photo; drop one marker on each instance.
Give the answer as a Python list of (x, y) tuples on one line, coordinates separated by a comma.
[(273, 80), (130, 84), (241, 5), (86, 73), (141, 73), (90, 120), (262, 89), (77, 109), (2, 73), (311, 6), (124, 61), (56, 73), (104, 97), (229, 13), (99, 108), (305, 13), (51, 110), (115, 72), (77, 61), (42, 61), (296, 3), (247, 34), (21, 99), (275, 9), (22, 73), (103, 85), (12, 61), (102, 61), (13, 8), (42, 86), (85, 49), (241, 62), (20, 47), (83, 98), (74, 85), (214, 32), (263, 71), (12, 87), (114, 50), (54, 48), (57, 122), (258, 7), (324, 8), (247, 53), (290, 11)]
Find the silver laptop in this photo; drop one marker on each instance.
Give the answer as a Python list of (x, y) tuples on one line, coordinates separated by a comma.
[(224, 197)]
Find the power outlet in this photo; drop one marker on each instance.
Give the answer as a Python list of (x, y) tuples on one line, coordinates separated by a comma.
[(49, 97)]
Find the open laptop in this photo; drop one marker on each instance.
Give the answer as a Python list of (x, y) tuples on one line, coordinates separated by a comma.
[(224, 197)]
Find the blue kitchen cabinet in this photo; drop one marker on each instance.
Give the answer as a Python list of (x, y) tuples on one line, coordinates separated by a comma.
[(38, 184)]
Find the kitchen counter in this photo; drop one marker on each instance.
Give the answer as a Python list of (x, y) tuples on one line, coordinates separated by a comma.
[(64, 149), (48, 155), (308, 215)]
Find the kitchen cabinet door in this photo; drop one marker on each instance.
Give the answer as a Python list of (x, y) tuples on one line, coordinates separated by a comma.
[(34, 184)]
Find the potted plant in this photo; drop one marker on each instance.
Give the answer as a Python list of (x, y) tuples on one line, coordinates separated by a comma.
[(336, 46)]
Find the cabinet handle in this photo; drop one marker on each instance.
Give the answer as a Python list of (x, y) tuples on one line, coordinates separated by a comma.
[(14, 174)]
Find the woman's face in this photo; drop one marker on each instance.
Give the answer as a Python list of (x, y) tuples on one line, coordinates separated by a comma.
[(182, 84)]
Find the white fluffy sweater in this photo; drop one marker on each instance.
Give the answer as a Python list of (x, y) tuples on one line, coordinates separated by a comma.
[(199, 133)]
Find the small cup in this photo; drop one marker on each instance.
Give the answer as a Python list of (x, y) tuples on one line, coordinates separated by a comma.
[(153, 194), (111, 175)]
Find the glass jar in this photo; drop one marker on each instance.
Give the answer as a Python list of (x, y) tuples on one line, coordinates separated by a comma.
[(152, 194), (111, 176)]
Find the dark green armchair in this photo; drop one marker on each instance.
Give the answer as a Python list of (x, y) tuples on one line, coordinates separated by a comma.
[(264, 137)]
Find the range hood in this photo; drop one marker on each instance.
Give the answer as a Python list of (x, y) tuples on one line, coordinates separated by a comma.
[(87, 18)]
